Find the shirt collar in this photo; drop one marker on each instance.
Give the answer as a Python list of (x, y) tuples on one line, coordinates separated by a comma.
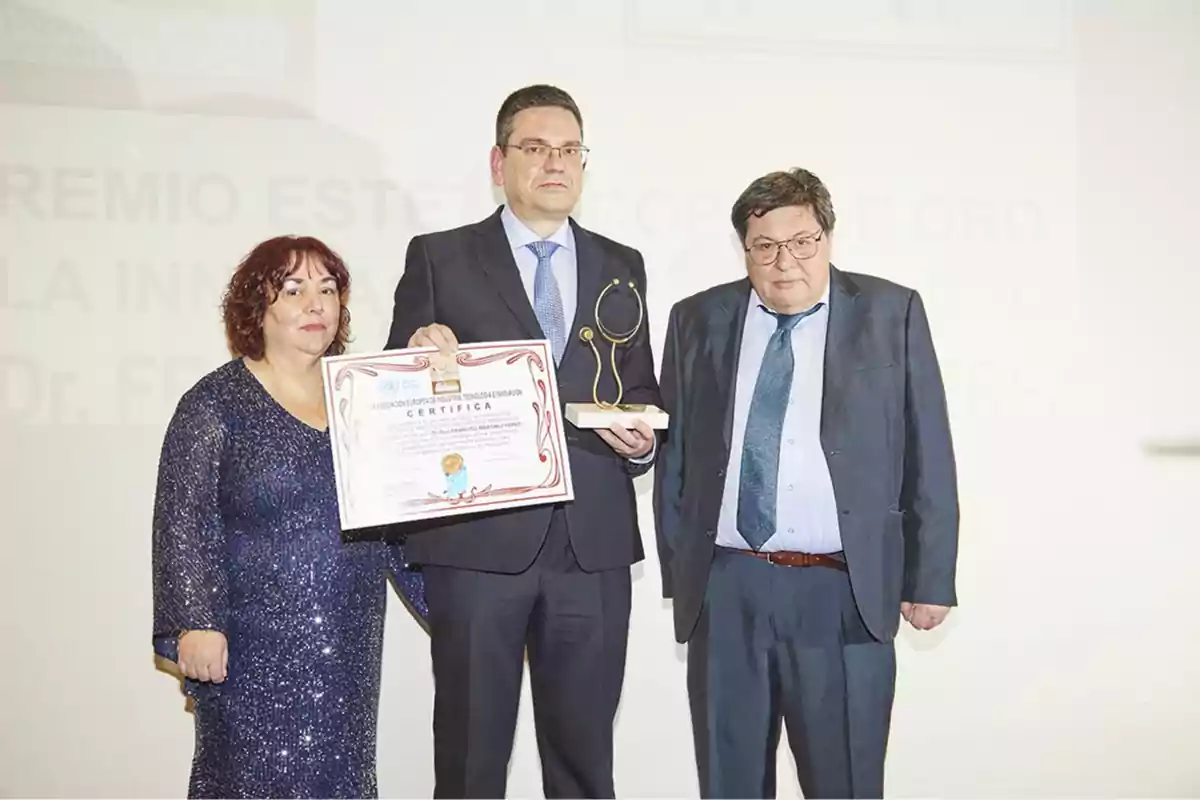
[(519, 234)]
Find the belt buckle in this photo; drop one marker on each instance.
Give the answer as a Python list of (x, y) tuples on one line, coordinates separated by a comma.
[(773, 558)]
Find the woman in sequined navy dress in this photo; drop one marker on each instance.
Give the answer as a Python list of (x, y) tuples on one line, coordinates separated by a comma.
[(276, 622)]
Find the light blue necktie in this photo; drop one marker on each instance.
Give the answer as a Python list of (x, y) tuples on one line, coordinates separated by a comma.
[(759, 481), (547, 301)]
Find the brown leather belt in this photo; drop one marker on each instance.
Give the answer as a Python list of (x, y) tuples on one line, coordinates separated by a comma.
[(793, 559)]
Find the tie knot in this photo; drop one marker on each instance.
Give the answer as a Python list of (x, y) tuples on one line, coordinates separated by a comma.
[(786, 322), (543, 248)]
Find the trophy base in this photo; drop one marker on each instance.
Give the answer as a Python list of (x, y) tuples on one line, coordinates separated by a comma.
[(590, 416)]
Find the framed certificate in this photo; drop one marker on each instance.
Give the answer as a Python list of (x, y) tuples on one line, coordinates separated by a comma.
[(418, 435)]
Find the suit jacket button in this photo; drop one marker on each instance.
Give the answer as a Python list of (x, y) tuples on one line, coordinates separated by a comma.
[(845, 512)]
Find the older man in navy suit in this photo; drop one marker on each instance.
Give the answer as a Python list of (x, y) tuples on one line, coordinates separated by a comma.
[(805, 500)]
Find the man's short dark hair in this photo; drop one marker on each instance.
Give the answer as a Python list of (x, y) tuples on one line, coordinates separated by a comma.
[(796, 187), (536, 96)]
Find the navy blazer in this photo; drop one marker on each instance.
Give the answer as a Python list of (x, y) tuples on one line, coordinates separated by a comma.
[(467, 279)]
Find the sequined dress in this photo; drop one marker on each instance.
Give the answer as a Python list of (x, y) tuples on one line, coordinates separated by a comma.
[(246, 539)]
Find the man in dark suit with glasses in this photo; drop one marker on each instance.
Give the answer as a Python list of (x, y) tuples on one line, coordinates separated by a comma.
[(553, 579), (805, 500)]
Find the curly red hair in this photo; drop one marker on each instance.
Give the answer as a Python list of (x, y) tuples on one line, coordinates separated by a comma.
[(256, 283)]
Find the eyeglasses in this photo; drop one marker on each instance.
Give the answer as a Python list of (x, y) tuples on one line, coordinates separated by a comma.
[(571, 153), (766, 251)]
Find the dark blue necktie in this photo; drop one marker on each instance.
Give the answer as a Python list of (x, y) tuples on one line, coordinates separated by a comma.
[(759, 480)]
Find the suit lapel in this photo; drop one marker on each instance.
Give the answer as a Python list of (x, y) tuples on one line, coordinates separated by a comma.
[(496, 257), (590, 271), (727, 321), (845, 324)]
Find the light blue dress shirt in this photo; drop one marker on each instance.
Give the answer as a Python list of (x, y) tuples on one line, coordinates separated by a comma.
[(563, 263), (806, 510)]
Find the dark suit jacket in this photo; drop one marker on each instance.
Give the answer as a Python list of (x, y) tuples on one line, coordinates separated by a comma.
[(467, 280), (884, 429)]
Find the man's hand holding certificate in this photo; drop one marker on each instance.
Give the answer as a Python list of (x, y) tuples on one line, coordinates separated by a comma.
[(431, 432)]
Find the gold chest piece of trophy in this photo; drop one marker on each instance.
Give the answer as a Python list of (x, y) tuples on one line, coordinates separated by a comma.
[(604, 413)]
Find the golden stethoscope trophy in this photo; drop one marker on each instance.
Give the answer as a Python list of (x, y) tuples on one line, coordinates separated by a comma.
[(601, 413)]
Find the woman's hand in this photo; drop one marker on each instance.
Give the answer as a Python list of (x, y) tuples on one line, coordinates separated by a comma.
[(203, 655)]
